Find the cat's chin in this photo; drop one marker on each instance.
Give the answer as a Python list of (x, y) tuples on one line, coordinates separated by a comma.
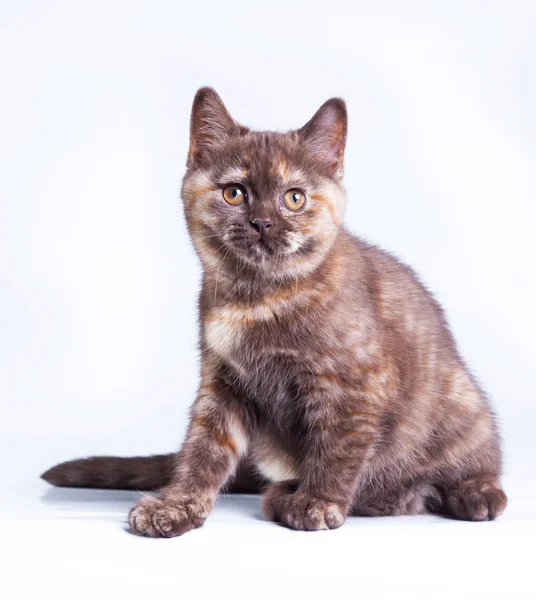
[(265, 250), (258, 251), (260, 254), (264, 258)]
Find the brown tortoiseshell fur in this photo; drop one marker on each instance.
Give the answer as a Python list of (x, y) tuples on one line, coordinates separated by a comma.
[(329, 376)]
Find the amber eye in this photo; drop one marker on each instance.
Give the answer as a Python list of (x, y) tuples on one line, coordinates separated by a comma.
[(234, 194), (294, 199)]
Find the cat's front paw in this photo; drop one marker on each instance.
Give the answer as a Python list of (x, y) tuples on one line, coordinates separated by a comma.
[(168, 516), (301, 511)]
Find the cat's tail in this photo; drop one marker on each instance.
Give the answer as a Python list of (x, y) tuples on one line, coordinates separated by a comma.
[(113, 472), (136, 473)]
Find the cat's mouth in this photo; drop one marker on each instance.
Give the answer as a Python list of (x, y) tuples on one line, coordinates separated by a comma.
[(263, 247), (293, 244), (259, 250)]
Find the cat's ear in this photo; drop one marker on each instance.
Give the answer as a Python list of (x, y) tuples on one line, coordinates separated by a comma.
[(326, 132), (210, 123)]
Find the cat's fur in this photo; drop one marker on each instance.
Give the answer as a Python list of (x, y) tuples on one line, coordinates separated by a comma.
[(329, 375)]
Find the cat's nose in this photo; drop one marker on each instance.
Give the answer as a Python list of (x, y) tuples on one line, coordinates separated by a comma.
[(261, 225)]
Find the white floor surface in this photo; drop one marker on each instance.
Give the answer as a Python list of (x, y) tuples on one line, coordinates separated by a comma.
[(61, 543)]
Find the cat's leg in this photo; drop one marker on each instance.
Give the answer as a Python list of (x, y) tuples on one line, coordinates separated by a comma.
[(215, 442), (413, 499), (297, 510), (337, 440), (477, 499)]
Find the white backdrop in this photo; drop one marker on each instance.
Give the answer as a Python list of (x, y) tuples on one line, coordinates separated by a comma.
[(98, 280)]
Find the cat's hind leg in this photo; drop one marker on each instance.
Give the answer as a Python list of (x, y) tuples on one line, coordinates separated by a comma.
[(413, 499), (477, 499)]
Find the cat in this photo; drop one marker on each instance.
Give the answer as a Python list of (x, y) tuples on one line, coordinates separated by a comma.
[(330, 380)]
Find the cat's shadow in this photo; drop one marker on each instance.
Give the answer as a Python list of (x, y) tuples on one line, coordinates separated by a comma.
[(58, 497), (79, 503)]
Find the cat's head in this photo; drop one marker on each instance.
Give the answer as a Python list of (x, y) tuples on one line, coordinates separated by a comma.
[(270, 201)]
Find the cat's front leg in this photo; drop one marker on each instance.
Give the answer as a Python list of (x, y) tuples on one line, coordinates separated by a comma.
[(285, 503), (338, 439), (215, 442)]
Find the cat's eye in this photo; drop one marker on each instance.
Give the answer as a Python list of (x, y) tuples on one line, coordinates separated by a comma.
[(294, 199), (234, 194)]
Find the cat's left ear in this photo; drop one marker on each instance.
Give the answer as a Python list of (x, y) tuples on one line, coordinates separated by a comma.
[(326, 133)]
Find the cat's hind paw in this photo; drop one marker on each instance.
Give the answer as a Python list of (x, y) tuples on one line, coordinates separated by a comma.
[(477, 499)]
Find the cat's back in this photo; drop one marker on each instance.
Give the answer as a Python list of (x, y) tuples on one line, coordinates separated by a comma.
[(401, 302)]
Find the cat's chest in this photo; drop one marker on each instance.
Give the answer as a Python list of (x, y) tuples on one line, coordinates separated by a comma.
[(255, 342), (223, 330), (231, 331)]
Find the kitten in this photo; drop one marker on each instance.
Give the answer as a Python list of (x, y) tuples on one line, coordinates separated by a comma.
[(329, 376)]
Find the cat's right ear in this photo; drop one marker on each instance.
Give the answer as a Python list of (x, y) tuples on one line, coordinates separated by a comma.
[(210, 123)]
